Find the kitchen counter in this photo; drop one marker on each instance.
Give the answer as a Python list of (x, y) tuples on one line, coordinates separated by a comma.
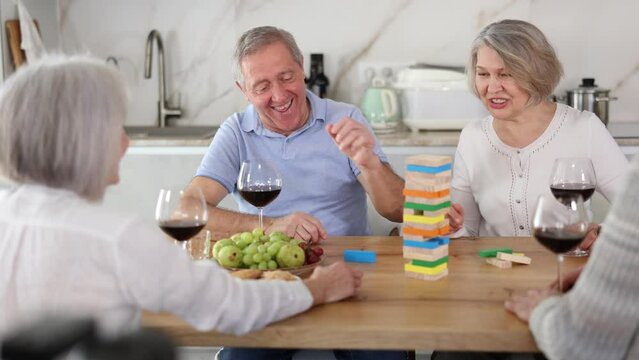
[(625, 135)]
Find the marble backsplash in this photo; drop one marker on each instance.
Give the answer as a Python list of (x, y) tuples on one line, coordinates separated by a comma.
[(593, 39)]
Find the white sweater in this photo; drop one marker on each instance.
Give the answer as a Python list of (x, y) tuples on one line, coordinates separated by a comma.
[(59, 253), (498, 185), (599, 317)]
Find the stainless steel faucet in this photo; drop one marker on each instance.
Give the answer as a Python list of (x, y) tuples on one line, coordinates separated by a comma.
[(164, 111)]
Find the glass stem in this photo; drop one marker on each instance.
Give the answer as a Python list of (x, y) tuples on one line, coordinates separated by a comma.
[(560, 260), (261, 223)]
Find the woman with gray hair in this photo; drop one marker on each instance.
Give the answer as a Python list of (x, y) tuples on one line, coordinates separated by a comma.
[(61, 141), (503, 162)]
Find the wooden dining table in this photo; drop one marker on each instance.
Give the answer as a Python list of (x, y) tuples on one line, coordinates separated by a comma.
[(462, 311)]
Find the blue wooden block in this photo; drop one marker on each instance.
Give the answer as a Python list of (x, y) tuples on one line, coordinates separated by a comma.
[(429, 169), (360, 256), (430, 244)]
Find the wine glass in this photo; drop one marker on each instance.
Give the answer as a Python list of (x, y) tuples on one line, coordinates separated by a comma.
[(560, 226), (181, 214), (259, 183), (571, 177)]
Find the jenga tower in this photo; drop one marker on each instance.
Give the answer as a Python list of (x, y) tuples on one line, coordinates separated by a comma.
[(427, 200)]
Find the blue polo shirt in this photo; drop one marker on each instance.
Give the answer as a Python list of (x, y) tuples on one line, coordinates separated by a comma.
[(317, 178)]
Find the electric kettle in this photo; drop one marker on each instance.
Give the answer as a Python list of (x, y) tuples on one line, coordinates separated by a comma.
[(381, 107)]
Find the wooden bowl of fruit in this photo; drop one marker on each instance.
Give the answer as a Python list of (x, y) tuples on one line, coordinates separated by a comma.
[(275, 251)]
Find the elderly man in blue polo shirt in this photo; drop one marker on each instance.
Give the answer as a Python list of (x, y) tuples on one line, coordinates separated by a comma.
[(325, 150)]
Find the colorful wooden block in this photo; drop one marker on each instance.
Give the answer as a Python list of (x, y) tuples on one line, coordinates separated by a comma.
[(444, 211), (428, 233), (432, 186), (431, 244), (430, 264), (429, 160), (429, 169), (431, 179), (427, 204), (437, 226), (426, 194), (426, 270), (360, 256), (520, 259), (419, 219), (425, 276), (493, 252), (425, 254), (502, 264)]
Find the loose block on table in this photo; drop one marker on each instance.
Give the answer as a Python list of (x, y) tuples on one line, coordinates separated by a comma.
[(493, 252), (514, 258), (361, 256)]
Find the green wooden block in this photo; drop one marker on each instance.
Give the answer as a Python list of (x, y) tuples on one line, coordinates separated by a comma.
[(493, 252), (429, 264)]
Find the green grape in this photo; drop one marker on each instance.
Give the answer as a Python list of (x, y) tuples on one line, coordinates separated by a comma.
[(263, 265), (253, 266), (257, 232), (247, 235), (242, 243), (264, 238), (257, 258), (261, 249), (272, 265), (236, 237), (247, 259), (274, 248), (251, 249), (266, 257)]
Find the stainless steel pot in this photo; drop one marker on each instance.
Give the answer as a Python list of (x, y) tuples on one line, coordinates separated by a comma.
[(591, 98)]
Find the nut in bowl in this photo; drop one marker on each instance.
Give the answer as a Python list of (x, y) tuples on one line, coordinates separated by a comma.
[(256, 250)]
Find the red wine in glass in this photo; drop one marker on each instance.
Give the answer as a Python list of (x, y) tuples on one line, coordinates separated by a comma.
[(260, 196), (565, 191), (572, 177), (181, 213), (558, 240), (259, 183), (180, 230), (559, 227)]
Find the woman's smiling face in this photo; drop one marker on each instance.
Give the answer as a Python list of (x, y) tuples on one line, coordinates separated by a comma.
[(496, 87)]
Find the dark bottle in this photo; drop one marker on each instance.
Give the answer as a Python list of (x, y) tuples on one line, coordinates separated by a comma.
[(317, 81)]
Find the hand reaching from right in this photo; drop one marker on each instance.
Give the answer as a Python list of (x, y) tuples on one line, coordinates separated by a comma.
[(299, 225), (333, 283)]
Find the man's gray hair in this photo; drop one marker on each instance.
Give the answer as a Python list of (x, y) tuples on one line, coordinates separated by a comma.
[(257, 38), (527, 54), (60, 123)]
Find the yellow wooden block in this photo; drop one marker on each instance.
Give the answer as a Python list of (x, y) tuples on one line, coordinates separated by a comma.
[(426, 270), (440, 225), (417, 219), (440, 212)]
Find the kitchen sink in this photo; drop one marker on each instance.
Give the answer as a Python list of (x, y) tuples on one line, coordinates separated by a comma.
[(192, 132)]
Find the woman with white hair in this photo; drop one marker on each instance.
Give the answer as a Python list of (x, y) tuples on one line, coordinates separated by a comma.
[(61, 141)]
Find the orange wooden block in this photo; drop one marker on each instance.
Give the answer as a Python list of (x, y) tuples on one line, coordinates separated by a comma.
[(409, 230), (426, 194)]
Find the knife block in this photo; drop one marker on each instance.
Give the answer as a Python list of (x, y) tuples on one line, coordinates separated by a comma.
[(14, 37)]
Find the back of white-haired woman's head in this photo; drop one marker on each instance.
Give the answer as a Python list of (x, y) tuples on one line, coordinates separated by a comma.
[(60, 124)]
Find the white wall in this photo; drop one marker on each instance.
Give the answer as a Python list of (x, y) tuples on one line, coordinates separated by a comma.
[(593, 38)]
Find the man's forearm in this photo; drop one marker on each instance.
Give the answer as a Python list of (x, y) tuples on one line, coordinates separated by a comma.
[(224, 222), (384, 187)]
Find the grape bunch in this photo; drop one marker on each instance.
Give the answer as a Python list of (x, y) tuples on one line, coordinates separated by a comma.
[(256, 250)]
